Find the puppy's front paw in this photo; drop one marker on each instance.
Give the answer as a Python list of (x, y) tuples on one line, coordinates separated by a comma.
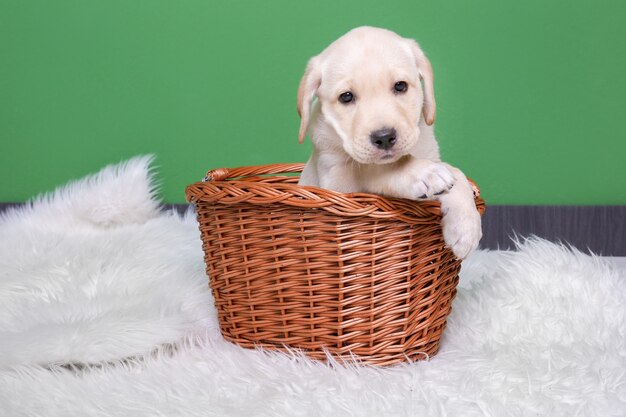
[(433, 180), (461, 231)]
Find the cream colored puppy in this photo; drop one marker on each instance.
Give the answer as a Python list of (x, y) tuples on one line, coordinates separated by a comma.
[(371, 123)]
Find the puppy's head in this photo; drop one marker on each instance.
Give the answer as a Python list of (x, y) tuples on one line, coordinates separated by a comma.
[(369, 87)]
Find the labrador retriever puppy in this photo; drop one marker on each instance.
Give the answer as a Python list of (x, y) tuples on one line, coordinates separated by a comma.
[(367, 102)]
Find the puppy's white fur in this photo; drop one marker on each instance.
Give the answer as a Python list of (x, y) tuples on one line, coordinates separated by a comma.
[(368, 62)]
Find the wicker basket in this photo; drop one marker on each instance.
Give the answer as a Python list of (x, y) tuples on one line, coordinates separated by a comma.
[(355, 275)]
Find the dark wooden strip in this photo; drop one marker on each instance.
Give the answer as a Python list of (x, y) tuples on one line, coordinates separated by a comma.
[(600, 229)]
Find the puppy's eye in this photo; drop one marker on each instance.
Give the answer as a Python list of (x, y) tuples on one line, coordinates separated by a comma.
[(346, 97), (401, 87)]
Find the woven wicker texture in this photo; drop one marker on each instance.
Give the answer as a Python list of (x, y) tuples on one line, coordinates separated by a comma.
[(302, 267)]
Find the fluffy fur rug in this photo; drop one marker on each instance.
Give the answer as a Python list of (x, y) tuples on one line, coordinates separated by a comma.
[(105, 311)]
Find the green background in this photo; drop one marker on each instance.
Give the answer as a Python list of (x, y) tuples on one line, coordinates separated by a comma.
[(530, 93)]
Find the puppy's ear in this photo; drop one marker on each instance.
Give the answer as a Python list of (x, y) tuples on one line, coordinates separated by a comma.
[(309, 84), (426, 73)]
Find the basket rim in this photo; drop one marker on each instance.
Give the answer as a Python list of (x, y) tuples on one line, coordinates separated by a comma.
[(261, 185)]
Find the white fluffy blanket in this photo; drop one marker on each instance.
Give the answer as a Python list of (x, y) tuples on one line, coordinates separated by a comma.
[(95, 274)]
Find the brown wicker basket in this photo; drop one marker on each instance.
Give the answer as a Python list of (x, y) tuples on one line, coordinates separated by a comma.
[(355, 275)]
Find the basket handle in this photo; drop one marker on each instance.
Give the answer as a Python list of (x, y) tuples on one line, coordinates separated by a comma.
[(221, 174)]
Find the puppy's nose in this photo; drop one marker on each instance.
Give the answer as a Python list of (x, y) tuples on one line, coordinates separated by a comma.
[(383, 138)]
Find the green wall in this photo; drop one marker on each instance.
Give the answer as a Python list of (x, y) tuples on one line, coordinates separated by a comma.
[(531, 94)]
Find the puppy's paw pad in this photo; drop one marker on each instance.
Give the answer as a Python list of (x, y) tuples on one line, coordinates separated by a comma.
[(434, 180)]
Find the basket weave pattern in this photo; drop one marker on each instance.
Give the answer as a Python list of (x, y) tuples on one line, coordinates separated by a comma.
[(307, 268)]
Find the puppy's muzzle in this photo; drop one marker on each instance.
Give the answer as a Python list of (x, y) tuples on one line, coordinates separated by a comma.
[(384, 138)]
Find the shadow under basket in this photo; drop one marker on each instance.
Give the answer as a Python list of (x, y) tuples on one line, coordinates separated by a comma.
[(355, 275)]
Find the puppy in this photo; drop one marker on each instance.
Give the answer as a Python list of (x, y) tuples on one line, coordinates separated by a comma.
[(371, 122)]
